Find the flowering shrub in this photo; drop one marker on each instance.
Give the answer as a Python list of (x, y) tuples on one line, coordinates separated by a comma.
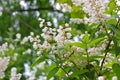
[(88, 52)]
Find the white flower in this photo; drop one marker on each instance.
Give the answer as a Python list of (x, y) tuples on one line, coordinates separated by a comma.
[(32, 77), (60, 27), (0, 13), (118, 3), (94, 8), (49, 23), (15, 56), (31, 38), (77, 2), (76, 20), (12, 46), (114, 78), (100, 78), (37, 36), (25, 39), (66, 7), (45, 29), (119, 61), (38, 52), (41, 25), (14, 75), (39, 19), (28, 51), (32, 33), (68, 35), (3, 47), (18, 35), (3, 65), (35, 45), (66, 24)]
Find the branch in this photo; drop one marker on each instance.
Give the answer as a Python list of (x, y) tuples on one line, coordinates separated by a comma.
[(27, 25), (37, 9), (106, 51), (108, 45)]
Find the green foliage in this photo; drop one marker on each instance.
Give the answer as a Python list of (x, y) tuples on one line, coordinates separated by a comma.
[(91, 49), (52, 72), (38, 60), (116, 47), (96, 41), (116, 69)]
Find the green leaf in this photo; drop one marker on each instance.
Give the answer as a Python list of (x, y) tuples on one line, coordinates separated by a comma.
[(86, 38), (112, 5), (77, 72), (91, 73), (113, 28), (52, 72), (116, 69), (38, 60), (95, 41), (95, 57), (79, 44), (112, 21), (60, 73), (77, 10), (116, 47), (80, 57)]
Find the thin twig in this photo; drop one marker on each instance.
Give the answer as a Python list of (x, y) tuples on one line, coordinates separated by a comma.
[(106, 51), (27, 25), (108, 45)]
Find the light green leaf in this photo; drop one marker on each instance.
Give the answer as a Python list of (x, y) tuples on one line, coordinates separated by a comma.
[(86, 38), (77, 72), (79, 44), (112, 5), (95, 41), (95, 57), (38, 60), (52, 73), (60, 73)]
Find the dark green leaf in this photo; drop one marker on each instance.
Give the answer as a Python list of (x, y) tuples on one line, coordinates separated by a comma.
[(116, 69), (113, 28), (91, 73), (116, 47)]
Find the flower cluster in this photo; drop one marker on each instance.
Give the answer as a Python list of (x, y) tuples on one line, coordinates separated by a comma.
[(14, 75), (77, 2), (3, 47), (76, 20), (55, 40), (63, 35), (97, 50), (103, 78), (66, 7), (95, 10), (32, 77), (44, 23), (50, 35), (18, 36), (3, 65)]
